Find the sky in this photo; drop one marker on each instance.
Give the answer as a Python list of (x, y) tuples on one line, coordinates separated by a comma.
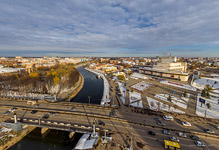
[(187, 28)]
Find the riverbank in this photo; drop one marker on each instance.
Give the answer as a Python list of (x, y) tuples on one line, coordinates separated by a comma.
[(105, 99), (19, 136), (77, 88)]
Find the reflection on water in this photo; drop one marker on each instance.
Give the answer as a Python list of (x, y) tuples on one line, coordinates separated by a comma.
[(55, 140), (92, 87)]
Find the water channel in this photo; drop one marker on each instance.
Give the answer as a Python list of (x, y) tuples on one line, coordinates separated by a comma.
[(59, 140)]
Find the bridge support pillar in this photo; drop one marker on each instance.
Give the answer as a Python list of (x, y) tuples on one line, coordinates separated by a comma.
[(71, 134), (45, 131)]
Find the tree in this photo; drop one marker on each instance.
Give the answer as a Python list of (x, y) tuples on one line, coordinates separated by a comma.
[(56, 80), (204, 93), (207, 95), (208, 105), (208, 88), (185, 94), (169, 98)]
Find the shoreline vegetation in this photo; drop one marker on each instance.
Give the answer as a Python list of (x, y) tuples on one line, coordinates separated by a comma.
[(62, 81)]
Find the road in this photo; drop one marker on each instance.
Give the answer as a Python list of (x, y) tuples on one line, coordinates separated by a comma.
[(85, 114)]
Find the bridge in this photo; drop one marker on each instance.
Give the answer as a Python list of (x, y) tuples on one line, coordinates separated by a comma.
[(81, 119)]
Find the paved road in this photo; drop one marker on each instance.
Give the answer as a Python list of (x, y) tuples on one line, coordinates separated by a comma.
[(116, 126)]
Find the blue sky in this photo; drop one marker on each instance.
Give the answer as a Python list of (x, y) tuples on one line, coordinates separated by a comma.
[(109, 27)]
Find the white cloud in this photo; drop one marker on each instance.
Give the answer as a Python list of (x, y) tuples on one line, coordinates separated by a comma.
[(139, 26)]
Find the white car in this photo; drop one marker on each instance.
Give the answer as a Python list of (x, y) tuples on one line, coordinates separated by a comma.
[(186, 123), (181, 134), (12, 109), (173, 138), (166, 117), (199, 143)]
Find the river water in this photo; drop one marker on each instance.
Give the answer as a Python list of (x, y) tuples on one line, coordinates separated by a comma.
[(59, 140), (93, 87)]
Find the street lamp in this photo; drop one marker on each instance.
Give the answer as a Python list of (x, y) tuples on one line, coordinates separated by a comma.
[(69, 122), (39, 119), (89, 97)]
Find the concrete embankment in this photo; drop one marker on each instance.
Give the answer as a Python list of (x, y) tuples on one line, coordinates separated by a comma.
[(16, 139), (78, 87), (105, 98)]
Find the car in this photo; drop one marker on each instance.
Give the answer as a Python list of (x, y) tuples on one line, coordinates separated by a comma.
[(160, 123), (111, 114), (209, 131), (12, 109), (173, 138), (157, 119), (199, 143), (151, 133), (194, 137), (52, 113), (181, 134), (6, 113), (73, 109), (186, 123), (114, 111), (34, 111), (46, 116), (166, 117), (36, 105), (167, 132), (100, 122), (217, 127)]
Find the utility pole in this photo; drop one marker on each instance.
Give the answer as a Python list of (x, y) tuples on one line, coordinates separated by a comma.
[(39, 119), (205, 115), (94, 128), (131, 145)]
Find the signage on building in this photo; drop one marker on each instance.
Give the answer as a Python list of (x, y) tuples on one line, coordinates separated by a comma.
[(202, 100)]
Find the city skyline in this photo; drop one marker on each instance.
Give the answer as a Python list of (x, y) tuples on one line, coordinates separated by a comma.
[(109, 28)]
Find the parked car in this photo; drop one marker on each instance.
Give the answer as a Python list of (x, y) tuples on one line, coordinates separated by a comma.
[(166, 117), (181, 134), (209, 131), (100, 122), (12, 109), (167, 132), (199, 143), (52, 113), (186, 124), (36, 105), (157, 119), (160, 123), (151, 133), (194, 137), (73, 109), (173, 138), (111, 114), (6, 113), (46, 116), (33, 111)]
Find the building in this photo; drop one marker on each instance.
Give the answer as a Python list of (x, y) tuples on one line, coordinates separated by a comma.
[(167, 68)]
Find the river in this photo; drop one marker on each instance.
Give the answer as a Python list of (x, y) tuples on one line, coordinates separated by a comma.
[(93, 87), (58, 140)]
